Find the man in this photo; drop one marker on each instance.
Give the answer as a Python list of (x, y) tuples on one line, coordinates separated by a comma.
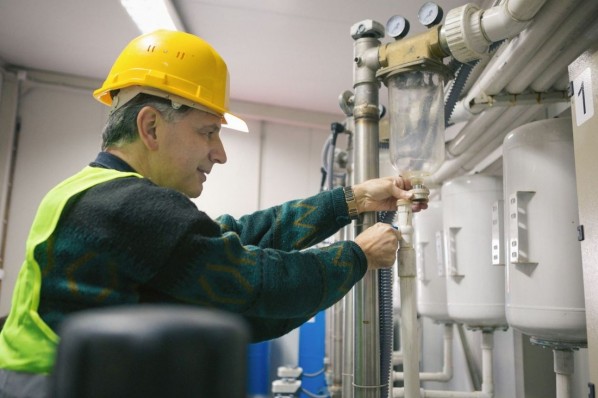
[(124, 231)]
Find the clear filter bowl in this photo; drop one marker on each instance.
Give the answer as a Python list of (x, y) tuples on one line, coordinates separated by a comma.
[(416, 112)]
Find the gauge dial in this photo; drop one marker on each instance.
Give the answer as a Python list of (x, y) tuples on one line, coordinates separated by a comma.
[(397, 27), (430, 14)]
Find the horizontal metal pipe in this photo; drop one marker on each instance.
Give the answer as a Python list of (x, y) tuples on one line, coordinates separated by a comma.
[(506, 65), (555, 69), (524, 117), (563, 37), (472, 131)]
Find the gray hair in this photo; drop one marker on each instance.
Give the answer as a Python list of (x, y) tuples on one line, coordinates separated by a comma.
[(121, 127)]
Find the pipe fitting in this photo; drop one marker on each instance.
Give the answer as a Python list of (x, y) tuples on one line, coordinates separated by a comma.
[(463, 33), (366, 111), (500, 23), (367, 28), (421, 52)]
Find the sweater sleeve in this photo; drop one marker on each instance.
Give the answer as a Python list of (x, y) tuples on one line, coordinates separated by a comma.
[(294, 225), (259, 282), (157, 239)]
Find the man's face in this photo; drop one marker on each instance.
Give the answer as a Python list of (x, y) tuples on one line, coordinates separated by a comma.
[(189, 147)]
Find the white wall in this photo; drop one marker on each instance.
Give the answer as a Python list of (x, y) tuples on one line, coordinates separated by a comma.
[(60, 132), (274, 163), (58, 136)]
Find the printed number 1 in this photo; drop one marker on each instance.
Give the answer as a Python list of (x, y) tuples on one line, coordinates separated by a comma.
[(583, 97)]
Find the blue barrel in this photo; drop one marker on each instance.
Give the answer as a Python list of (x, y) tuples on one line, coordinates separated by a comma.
[(258, 370), (312, 337)]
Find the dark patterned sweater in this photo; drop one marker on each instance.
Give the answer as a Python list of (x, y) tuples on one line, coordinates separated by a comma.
[(130, 241)]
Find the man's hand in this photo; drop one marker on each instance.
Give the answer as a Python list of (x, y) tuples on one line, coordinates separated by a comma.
[(380, 243), (381, 194)]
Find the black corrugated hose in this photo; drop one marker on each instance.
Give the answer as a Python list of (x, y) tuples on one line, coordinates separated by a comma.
[(385, 282)]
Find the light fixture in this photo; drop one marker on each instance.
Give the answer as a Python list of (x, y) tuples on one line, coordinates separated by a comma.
[(150, 15)]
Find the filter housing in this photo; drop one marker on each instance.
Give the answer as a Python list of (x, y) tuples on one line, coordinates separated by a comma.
[(416, 112), (475, 287), (545, 293)]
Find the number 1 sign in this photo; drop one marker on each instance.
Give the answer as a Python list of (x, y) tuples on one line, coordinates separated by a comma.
[(583, 96)]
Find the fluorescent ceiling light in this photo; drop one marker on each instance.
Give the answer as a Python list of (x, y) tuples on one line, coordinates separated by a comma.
[(150, 15)]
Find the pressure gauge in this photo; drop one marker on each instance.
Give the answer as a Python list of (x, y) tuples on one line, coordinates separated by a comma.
[(430, 14), (397, 27)]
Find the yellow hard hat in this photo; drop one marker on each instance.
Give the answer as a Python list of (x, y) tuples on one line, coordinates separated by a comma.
[(176, 64)]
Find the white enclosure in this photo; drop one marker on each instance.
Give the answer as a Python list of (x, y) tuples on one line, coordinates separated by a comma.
[(545, 294), (475, 287)]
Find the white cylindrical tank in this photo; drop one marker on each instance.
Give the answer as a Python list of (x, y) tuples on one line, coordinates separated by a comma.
[(545, 295), (475, 287), (429, 255)]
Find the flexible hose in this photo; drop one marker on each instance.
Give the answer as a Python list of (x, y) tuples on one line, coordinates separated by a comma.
[(324, 167), (385, 281), (455, 90), (328, 154)]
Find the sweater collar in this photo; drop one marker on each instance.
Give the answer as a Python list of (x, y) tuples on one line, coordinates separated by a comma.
[(109, 161)]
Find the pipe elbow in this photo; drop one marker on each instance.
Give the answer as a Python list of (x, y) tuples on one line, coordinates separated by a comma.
[(469, 31), (499, 24)]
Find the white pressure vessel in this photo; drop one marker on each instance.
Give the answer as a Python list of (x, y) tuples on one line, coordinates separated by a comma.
[(429, 254), (545, 294), (475, 287)]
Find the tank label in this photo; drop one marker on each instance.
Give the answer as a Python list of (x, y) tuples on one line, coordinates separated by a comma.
[(583, 96)]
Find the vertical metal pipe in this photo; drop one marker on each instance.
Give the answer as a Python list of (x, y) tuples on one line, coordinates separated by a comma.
[(348, 319), (336, 356), (348, 338), (337, 323), (366, 367)]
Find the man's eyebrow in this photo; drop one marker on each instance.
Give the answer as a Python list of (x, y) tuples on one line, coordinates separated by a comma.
[(210, 127)]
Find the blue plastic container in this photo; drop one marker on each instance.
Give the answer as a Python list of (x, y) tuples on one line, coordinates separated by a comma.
[(312, 335), (258, 370)]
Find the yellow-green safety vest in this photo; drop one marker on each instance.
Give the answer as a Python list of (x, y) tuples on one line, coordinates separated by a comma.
[(27, 343)]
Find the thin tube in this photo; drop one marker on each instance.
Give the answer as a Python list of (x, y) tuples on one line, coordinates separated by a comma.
[(400, 393), (487, 383), (447, 366), (487, 368), (563, 367), (408, 285)]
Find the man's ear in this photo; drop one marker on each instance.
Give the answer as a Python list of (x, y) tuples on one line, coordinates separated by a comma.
[(147, 122)]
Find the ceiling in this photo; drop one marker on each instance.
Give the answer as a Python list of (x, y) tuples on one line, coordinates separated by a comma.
[(288, 53)]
